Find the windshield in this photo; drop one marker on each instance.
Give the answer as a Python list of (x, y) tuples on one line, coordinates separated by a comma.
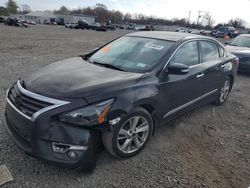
[(132, 54), (242, 41)]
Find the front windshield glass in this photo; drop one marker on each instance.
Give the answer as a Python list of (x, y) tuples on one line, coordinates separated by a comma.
[(242, 41), (132, 54)]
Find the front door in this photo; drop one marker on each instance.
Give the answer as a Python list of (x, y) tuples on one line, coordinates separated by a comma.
[(180, 91)]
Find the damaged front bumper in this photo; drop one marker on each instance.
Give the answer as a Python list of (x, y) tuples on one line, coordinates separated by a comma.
[(52, 141)]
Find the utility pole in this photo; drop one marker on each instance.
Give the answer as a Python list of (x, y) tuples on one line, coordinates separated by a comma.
[(189, 17), (209, 20), (199, 15)]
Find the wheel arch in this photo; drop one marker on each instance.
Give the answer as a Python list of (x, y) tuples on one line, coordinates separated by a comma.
[(232, 80), (151, 110)]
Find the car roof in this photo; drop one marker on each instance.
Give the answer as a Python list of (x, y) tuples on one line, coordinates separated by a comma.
[(165, 35)]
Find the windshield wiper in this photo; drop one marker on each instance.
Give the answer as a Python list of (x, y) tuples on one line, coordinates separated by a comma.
[(108, 66)]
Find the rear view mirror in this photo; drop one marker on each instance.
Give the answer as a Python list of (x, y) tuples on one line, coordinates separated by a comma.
[(178, 68)]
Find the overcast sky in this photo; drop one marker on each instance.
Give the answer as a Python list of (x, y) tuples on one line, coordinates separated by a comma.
[(221, 10)]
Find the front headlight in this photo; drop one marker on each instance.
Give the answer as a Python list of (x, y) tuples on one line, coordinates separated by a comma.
[(88, 116)]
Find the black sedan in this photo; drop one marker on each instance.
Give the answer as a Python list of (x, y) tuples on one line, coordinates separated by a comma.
[(240, 46), (116, 95)]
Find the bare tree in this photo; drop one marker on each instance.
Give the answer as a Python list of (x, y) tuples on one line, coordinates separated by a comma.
[(127, 17), (237, 23), (62, 10), (25, 9)]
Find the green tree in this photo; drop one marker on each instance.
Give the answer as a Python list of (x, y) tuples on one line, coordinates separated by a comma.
[(12, 7), (3, 11)]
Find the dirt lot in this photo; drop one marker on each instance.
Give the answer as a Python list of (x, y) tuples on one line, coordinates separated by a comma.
[(208, 147)]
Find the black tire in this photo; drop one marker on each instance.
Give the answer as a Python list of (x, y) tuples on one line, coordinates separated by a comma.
[(221, 100), (110, 139)]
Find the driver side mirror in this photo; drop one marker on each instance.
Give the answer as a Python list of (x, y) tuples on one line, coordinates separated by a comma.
[(227, 42), (178, 68)]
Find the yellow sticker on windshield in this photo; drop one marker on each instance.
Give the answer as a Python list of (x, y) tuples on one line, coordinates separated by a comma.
[(105, 49)]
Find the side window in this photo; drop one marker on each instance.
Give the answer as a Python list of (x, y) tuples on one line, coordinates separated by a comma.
[(188, 54), (209, 51)]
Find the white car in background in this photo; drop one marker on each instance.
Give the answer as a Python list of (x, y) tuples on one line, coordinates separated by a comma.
[(71, 25), (195, 31)]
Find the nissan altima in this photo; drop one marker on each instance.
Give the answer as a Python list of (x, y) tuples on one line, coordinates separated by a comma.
[(116, 95)]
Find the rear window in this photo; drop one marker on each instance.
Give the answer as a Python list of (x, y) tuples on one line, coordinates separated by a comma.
[(209, 51)]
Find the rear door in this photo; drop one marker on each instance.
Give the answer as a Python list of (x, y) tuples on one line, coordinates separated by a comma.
[(212, 64)]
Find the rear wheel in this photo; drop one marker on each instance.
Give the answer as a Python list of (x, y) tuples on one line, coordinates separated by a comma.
[(130, 136), (224, 92)]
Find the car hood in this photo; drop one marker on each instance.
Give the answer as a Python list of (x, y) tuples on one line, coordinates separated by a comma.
[(76, 78), (238, 50)]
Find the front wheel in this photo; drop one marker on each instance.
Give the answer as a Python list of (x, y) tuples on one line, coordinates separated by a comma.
[(224, 92), (130, 136)]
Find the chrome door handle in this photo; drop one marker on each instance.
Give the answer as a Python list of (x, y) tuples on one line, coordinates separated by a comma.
[(200, 75)]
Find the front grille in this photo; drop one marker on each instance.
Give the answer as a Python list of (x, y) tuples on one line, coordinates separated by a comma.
[(26, 104)]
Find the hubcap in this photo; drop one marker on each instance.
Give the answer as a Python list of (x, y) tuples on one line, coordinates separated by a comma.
[(133, 134), (224, 91)]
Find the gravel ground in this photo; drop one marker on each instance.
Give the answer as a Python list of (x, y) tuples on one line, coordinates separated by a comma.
[(208, 147)]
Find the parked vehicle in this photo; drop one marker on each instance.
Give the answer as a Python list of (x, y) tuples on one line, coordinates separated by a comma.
[(111, 27), (83, 24), (205, 32), (140, 27), (102, 28), (148, 28), (2, 19), (31, 22), (15, 22), (95, 25), (122, 26), (226, 31), (98, 27), (71, 25), (117, 95), (181, 30), (130, 26), (195, 31), (240, 46)]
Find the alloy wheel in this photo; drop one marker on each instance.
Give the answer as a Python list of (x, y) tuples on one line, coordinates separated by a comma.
[(133, 134), (224, 91)]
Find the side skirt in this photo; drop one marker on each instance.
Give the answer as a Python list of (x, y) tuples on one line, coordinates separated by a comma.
[(189, 103)]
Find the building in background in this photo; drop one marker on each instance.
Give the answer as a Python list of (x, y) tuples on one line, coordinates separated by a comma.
[(48, 17), (41, 17), (63, 18)]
